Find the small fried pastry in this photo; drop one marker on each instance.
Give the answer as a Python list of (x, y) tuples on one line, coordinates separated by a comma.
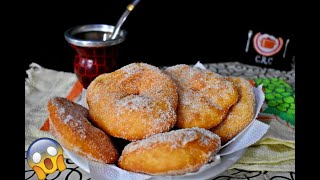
[(241, 114), (172, 153), (204, 96), (133, 102), (70, 126)]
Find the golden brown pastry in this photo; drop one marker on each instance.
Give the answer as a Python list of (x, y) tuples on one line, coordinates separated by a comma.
[(172, 153), (70, 126), (204, 96), (134, 102), (241, 114)]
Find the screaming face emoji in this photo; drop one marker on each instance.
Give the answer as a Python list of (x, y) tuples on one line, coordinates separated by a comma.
[(45, 156)]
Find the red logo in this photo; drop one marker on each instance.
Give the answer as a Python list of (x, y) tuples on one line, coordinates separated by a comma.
[(266, 44)]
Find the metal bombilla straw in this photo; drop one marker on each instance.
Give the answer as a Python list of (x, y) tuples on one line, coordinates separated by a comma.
[(124, 16)]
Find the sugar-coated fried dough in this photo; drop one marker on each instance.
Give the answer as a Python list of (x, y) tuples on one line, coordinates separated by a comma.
[(140, 103), (70, 126), (204, 96), (172, 153), (134, 102), (241, 114)]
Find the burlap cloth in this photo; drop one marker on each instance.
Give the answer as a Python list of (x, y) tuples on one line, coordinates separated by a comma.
[(274, 152), (40, 86)]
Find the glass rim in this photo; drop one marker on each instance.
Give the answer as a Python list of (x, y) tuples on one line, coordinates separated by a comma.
[(69, 35)]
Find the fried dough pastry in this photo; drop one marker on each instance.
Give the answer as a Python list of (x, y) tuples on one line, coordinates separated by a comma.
[(172, 153), (70, 126), (204, 96), (133, 102), (241, 114)]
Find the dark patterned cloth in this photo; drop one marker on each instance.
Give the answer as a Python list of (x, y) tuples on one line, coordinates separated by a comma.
[(73, 172), (251, 72)]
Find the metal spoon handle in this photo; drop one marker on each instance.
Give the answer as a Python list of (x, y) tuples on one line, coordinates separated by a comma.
[(248, 40), (124, 16)]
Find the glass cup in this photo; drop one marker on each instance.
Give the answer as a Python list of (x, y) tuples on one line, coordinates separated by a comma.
[(95, 53)]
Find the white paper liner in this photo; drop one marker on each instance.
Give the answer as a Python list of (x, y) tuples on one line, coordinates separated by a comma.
[(251, 134), (101, 171)]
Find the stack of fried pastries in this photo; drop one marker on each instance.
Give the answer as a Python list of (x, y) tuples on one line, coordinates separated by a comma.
[(174, 121)]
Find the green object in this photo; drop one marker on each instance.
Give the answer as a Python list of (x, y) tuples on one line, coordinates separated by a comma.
[(279, 90), (280, 98), (289, 99), (269, 96)]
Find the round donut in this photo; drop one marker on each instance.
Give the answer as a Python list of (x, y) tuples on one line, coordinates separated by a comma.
[(172, 153), (69, 124), (133, 102), (204, 96), (241, 114)]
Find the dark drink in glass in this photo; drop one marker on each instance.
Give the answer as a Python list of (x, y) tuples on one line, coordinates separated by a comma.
[(95, 53)]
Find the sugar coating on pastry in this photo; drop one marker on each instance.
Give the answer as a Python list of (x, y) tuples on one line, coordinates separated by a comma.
[(69, 124), (172, 153), (241, 114), (133, 102), (204, 96)]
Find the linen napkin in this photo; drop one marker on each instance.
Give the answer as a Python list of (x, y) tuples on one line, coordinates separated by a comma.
[(41, 85), (274, 152)]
